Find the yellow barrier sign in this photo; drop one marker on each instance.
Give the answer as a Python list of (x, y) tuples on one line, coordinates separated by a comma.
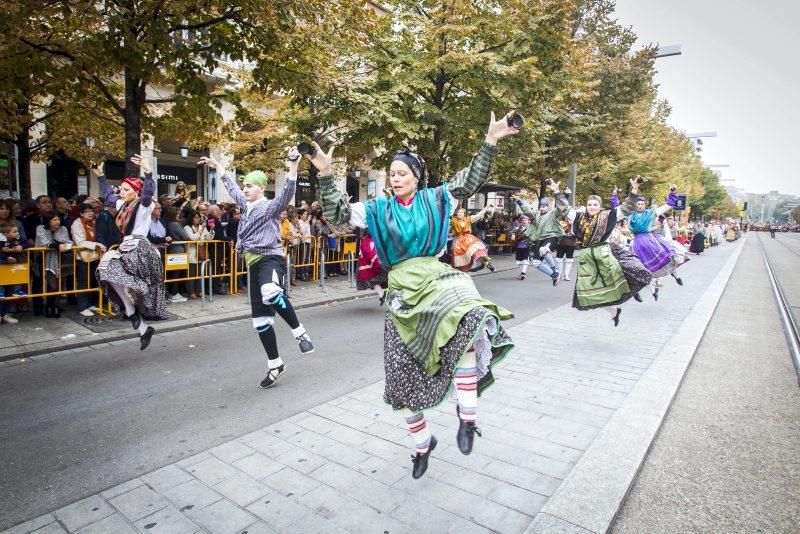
[(349, 248), (177, 262), (14, 274)]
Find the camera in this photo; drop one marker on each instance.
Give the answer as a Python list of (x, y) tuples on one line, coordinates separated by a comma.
[(306, 148), (639, 180), (515, 119)]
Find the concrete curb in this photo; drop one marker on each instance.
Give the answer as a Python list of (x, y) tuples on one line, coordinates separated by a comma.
[(171, 326), (589, 498)]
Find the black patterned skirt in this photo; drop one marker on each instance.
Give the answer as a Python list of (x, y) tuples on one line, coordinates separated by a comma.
[(408, 385), (140, 271)]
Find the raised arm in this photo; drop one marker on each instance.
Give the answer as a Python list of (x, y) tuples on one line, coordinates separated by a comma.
[(106, 191), (669, 203), (467, 181), (148, 190), (524, 208), (336, 205), (148, 185), (228, 180), (628, 206)]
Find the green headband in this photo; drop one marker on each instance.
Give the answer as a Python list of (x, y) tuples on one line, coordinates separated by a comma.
[(258, 178)]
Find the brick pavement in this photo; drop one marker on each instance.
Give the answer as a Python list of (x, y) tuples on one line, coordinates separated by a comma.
[(344, 466)]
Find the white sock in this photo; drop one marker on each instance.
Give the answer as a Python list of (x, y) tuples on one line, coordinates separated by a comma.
[(379, 290), (299, 331), (568, 267), (130, 309), (142, 327), (275, 362)]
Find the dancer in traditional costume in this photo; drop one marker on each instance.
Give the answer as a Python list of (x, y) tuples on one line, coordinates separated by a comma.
[(469, 252), (371, 274), (655, 252), (259, 241), (608, 275), (440, 334), (566, 248), (132, 276), (545, 230), (521, 245), (698, 238)]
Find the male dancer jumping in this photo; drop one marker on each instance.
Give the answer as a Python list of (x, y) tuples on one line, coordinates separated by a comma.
[(259, 240), (545, 230)]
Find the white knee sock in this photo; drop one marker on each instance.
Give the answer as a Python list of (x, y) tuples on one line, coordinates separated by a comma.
[(379, 290), (568, 267), (130, 308)]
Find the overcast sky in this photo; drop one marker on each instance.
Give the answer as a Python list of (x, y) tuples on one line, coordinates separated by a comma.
[(739, 75)]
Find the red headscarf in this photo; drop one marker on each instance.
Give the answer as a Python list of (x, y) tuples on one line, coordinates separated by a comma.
[(135, 183)]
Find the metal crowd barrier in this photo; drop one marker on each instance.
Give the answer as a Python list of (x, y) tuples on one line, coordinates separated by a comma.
[(31, 272), (215, 259)]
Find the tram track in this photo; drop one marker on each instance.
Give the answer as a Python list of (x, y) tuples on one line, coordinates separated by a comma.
[(785, 309)]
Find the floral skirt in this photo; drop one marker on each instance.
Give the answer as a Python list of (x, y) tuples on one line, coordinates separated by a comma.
[(408, 385), (137, 267)]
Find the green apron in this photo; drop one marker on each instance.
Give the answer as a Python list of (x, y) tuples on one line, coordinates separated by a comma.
[(600, 276)]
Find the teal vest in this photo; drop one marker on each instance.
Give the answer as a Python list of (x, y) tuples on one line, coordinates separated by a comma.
[(403, 232)]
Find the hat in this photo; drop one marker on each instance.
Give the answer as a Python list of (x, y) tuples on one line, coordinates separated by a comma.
[(135, 183), (543, 202), (258, 178), (641, 199)]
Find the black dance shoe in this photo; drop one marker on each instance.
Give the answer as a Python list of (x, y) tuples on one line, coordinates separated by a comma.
[(490, 267), (144, 339), (637, 297), (556, 278), (382, 300), (677, 279), (420, 461), (655, 295), (466, 435), (135, 320), (616, 317)]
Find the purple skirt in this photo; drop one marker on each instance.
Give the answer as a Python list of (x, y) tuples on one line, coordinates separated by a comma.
[(653, 250)]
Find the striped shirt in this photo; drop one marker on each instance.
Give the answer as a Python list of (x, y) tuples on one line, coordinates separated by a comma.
[(259, 229)]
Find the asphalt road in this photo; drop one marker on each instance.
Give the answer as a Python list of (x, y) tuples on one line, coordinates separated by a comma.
[(76, 424)]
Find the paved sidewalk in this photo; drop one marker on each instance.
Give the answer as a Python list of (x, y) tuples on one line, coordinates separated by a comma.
[(726, 458), (37, 335), (344, 465)]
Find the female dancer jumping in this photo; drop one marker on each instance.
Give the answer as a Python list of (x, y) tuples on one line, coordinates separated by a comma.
[(132, 276), (608, 275), (649, 244), (439, 332), (469, 252)]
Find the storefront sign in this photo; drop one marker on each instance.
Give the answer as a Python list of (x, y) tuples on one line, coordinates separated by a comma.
[(173, 174)]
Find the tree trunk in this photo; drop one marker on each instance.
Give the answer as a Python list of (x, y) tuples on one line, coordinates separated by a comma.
[(23, 142), (134, 103), (24, 162)]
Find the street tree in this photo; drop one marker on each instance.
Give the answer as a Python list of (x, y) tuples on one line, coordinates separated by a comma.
[(161, 66)]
